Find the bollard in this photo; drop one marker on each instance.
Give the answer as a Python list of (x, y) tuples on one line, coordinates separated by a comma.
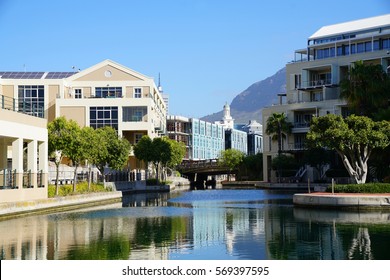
[(332, 185), (308, 184)]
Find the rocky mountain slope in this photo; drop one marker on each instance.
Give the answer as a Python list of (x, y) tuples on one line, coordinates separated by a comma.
[(248, 104)]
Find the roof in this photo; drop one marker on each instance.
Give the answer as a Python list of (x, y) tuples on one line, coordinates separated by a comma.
[(352, 26), (35, 75)]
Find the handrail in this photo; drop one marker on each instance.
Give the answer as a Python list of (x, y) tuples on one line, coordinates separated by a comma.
[(21, 106)]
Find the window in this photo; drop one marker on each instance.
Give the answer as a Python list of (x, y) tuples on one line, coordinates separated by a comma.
[(137, 92), (108, 92), (134, 114), (78, 93), (31, 100), (297, 81), (103, 116)]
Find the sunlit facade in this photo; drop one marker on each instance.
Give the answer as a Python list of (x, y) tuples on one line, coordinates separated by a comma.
[(313, 79)]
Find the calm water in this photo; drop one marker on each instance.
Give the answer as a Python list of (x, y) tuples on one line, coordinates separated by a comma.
[(212, 224)]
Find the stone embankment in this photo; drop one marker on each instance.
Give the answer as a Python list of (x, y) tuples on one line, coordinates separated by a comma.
[(16, 209), (343, 200)]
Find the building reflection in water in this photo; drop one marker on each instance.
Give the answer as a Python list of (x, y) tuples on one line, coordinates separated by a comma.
[(197, 230)]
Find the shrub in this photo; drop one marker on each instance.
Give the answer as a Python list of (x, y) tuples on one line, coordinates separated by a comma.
[(361, 188), (81, 188)]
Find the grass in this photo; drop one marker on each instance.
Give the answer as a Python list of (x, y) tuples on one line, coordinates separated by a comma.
[(81, 188), (155, 182), (361, 188)]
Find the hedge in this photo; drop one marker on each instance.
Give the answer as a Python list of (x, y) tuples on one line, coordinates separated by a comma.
[(361, 188)]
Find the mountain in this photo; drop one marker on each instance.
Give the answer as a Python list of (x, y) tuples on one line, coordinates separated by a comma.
[(248, 104)]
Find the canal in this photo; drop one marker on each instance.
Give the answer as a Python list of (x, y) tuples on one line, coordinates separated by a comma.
[(199, 225)]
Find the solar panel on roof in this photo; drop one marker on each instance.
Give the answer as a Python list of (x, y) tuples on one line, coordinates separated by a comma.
[(59, 75), (21, 75)]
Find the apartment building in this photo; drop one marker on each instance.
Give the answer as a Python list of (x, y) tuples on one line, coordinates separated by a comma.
[(313, 78), (203, 140), (105, 94)]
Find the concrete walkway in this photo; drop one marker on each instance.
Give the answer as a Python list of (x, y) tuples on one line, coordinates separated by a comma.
[(342, 200), (16, 209)]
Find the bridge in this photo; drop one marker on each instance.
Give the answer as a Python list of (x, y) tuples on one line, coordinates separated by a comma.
[(199, 172)]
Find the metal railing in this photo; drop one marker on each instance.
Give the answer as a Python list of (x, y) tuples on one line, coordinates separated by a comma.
[(8, 179), (21, 106)]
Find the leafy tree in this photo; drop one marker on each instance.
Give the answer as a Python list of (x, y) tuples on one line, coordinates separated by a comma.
[(110, 150), (91, 148), (231, 159), (161, 154), (58, 138), (353, 138), (74, 148), (143, 151), (367, 90), (278, 126), (251, 167), (178, 151)]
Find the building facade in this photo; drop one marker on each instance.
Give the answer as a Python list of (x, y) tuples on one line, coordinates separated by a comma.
[(23, 153), (255, 137), (313, 78), (203, 140), (105, 94)]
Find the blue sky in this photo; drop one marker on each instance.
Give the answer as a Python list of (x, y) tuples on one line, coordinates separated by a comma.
[(206, 51)]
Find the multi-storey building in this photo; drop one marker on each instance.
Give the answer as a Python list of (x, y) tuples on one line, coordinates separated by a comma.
[(204, 140), (255, 137), (313, 78), (104, 94)]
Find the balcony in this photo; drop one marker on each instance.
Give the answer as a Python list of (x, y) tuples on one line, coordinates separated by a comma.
[(32, 108), (315, 84)]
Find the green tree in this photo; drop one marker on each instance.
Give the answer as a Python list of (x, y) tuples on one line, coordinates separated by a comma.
[(74, 148), (143, 151), (251, 167), (278, 126), (161, 154), (353, 138), (111, 151), (317, 158), (230, 158), (367, 90), (59, 136), (91, 148), (178, 151)]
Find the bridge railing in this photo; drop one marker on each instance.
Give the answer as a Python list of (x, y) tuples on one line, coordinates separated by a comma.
[(198, 164)]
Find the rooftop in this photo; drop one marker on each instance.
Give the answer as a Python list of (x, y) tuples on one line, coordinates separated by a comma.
[(352, 26)]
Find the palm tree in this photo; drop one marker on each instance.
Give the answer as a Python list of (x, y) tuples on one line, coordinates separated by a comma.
[(278, 126), (367, 89)]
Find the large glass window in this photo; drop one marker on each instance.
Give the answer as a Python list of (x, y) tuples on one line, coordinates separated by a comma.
[(108, 92), (103, 116), (135, 114), (31, 100)]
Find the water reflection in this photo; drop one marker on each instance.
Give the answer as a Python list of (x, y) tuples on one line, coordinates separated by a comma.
[(212, 224)]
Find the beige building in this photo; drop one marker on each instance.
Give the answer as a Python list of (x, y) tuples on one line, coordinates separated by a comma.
[(23, 154), (105, 94), (313, 79)]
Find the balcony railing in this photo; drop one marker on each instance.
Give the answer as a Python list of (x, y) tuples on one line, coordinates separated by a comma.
[(21, 106), (8, 179), (315, 84)]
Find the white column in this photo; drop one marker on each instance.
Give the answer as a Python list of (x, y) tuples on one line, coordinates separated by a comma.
[(43, 155), (32, 164), (32, 156), (17, 155), (17, 161)]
